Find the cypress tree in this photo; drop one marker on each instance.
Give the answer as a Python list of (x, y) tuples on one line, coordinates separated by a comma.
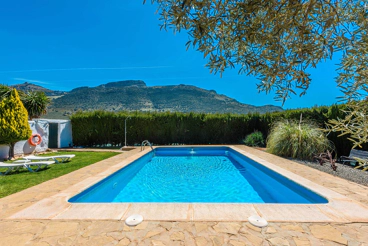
[(14, 124)]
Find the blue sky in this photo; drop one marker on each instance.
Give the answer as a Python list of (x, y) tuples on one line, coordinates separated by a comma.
[(64, 44)]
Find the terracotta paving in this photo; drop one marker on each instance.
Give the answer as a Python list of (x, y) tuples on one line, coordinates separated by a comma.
[(22, 231)]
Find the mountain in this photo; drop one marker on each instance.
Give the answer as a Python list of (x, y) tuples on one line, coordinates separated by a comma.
[(31, 87), (134, 95)]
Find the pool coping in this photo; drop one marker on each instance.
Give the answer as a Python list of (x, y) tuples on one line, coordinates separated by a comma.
[(56, 207)]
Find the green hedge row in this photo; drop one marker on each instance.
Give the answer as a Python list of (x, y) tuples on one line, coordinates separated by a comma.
[(100, 128)]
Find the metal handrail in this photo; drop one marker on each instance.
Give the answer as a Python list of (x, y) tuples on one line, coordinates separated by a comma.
[(144, 144)]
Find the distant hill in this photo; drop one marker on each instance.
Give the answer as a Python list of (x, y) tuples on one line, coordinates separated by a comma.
[(134, 95), (31, 87)]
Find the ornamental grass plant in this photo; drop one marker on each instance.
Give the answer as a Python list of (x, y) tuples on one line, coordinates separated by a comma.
[(297, 140)]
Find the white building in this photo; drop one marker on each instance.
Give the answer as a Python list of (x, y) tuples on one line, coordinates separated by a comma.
[(54, 134)]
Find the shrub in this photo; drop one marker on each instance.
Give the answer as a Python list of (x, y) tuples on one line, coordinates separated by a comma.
[(297, 140), (254, 139), (14, 124)]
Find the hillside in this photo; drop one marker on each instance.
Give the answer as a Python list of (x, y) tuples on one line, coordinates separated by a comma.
[(134, 95), (31, 87)]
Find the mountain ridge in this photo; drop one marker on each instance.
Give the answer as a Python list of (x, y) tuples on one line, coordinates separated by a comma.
[(135, 95)]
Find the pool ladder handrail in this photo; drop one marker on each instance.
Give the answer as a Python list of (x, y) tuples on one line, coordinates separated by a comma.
[(144, 143)]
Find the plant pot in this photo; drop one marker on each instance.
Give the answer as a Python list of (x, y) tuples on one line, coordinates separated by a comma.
[(4, 152)]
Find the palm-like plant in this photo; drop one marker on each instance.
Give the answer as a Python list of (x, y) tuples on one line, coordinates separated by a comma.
[(36, 103), (4, 91)]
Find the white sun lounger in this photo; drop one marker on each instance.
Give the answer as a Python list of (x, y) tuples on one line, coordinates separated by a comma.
[(56, 158), (24, 163)]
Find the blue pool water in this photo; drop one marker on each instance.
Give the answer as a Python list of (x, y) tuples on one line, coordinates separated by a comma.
[(198, 174)]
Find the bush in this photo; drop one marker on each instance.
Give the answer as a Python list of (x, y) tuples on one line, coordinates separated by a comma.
[(100, 128), (297, 140), (254, 139), (14, 124)]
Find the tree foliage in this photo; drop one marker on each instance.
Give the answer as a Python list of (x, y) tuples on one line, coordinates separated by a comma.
[(354, 124), (36, 103), (278, 41), (13, 120), (274, 40)]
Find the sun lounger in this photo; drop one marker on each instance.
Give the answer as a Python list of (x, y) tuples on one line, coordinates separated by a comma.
[(56, 158), (25, 164), (355, 156)]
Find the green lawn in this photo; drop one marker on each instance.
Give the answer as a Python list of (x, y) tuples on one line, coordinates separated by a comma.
[(23, 179)]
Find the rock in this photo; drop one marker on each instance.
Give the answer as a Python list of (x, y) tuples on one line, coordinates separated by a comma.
[(254, 228), (65, 241), (116, 235), (200, 227), (186, 226), (254, 239), (293, 228), (327, 232), (16, 239), (230, 228), (236, 243), (101, 240), (166, 225), (124, 242), (53, 229), (200, 241), (270, 230), (152, 234), (217, 241), (301, 241), (127, 228), (157, 243), (276, 241), (140, 226), (177, 236)]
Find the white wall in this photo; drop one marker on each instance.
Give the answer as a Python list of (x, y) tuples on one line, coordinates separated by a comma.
[(38, 127), (64, 132)]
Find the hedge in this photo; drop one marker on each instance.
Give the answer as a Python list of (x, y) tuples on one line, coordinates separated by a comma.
[(100, 128)]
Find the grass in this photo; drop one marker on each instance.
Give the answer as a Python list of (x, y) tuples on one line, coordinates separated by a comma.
[(299, 141), (23, 179)]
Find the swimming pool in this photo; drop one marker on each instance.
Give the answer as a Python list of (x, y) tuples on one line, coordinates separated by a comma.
[(196, 175)]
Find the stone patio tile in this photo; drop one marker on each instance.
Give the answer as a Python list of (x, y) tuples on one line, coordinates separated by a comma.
[(222, 212), (21, 239), (44, 209), (8, 227), (96, 211), (227, 227), (289, 212), (351, 210), (328, 232), (160, 211)]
